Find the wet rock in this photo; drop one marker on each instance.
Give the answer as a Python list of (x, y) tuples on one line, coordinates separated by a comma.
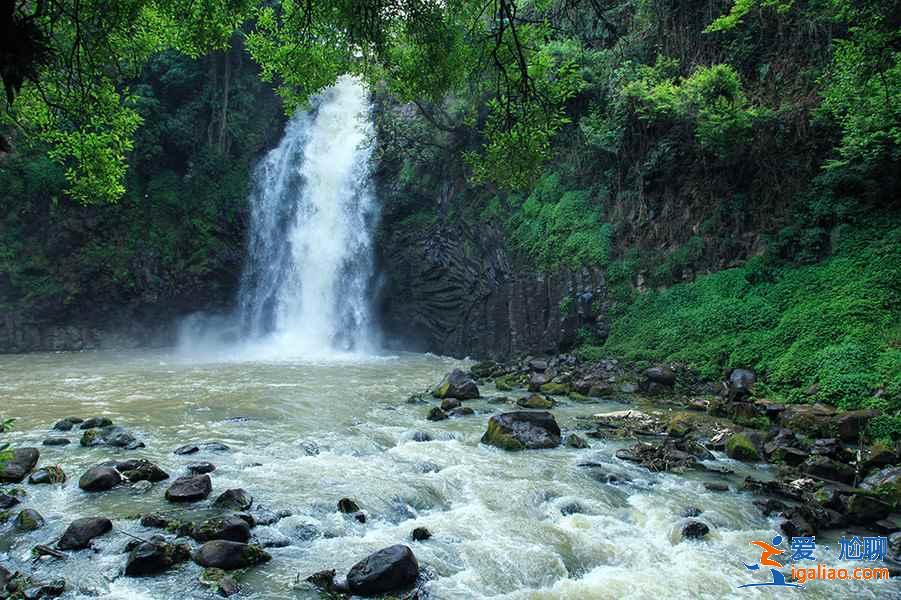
[(151, 558), (555, 389), (99, 479), (226, 555), (421, 436), (740, 384), (420, 534), (391, 569), (716, 486), (200, 468), (219, 582), (680, 425), (879, 456), (462, 411), (456, 384), (215, 447), (742, 447), (537, 402), (142, 470), (189, 489), (863, 509), (187, 449), (694, 530), (56, 441), (574, 440), (852, 423), (522, 430), (7, 501), (96, 422), (324, 580), (234, 499), (536, 380), (795, 523), (46, 475), (63, 425), (20, 464), (691, 511), (449, 404), (886, 482), (483, 369), (80, 532), (232, 528), (662, 375), (815, 420), (436, 414), (29, 519), (347, 506), (824, 467)]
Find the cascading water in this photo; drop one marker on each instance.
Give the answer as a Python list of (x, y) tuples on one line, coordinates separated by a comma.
[(306, 284)]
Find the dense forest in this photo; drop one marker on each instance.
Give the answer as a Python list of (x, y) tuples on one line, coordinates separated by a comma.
[(731, 167)]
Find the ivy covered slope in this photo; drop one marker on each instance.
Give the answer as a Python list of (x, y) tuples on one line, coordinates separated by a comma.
[(173, 243), (734, 168)]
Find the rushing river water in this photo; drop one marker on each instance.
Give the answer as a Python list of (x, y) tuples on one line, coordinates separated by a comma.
[(304, 434)]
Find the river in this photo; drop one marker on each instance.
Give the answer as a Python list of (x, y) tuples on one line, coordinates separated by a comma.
[(303, 433)]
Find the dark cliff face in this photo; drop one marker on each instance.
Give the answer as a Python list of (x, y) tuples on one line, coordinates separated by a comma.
[(454, 290)]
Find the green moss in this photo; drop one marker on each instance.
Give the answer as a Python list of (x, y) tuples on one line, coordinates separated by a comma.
[(495, 436), (740, 447), (555, 389), (680, 424)]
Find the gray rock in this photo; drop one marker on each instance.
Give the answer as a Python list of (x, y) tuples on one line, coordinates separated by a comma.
[(189, 489), (29, 519), (199, 468), (235, 499), (80, 532), (99, 479), (232, 528), (96, 422), (226, 555), (152, 558), (457, 384), (694, 530), (56, 441), (391, 569), (522, 430), (19, 465)]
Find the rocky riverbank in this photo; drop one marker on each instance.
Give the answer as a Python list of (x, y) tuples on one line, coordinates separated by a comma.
[(829, 473)]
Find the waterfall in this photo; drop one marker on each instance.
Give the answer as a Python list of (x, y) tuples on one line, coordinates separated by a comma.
[(306, 283)]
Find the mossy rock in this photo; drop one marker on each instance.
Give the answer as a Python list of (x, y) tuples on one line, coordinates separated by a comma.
[(576, 396), (555, 389), (740, 447), (680, 424), (28, 520), (506, 383), (91, 437), (537, 401), (496, 436)]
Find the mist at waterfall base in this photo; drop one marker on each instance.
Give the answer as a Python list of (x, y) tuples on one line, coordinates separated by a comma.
[(308, 277)]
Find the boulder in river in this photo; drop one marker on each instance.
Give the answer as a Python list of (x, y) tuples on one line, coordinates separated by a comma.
[(436, 414), (199, 468), (741, 446), (390, 569), (236, 499), (537, 401), (45, 475), (80, 532), (187, 449), (226, 555), (116, 437), (141, 470), (19, 465), (457, 384), (420, 534), (96, 422), (189, 489), (521, 430), (151, 558), (347, 506), (99, 479), (7, 501), (56, 441), (232, 528), (29, 519), (694, 529)]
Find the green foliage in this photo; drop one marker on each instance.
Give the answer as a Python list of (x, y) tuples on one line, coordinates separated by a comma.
[(554, 227), (830, 327), (885, 427)]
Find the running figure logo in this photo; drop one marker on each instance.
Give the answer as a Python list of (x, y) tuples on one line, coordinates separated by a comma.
[(765, 561)]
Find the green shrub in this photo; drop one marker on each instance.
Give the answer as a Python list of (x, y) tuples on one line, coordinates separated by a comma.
[(830, 328)]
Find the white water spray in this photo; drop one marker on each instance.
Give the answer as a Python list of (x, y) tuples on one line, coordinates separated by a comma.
[(306, 284), (307, 280)]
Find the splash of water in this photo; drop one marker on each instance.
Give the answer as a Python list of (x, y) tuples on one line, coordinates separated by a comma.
[(306, 286)]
